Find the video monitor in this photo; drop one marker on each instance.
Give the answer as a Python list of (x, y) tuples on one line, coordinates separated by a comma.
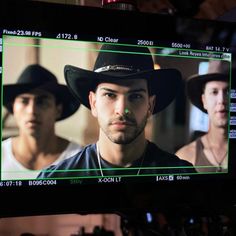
[(136, 84)]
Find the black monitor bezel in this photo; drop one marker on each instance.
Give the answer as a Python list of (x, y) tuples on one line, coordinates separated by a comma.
[(201, 195)]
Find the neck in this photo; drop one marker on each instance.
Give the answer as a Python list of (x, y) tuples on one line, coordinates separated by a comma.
[(218, 136), (37, 153), (43, 144), (121, 154)]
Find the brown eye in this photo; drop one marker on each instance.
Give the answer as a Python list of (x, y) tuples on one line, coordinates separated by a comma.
[(135, 97), (214, 92), (42, 102), (24, 101), (110, 95)]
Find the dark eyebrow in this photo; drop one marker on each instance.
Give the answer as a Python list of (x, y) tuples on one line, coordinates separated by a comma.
[(227, 87), (131, 91)]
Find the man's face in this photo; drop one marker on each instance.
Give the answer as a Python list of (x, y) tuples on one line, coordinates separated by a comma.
[(215, 101), (36, 112), (122, 109)]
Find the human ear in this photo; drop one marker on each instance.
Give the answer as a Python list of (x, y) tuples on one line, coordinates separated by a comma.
[(151, 104), (204, 101), (58, 111), (92, 103)]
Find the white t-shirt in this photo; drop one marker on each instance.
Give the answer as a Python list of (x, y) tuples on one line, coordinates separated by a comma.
[(13, 169)]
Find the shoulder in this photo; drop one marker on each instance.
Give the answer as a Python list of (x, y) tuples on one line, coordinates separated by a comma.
[(6, 146), (7, 142), (74, 145), (72, 148), (165, 158), (79, 160), (188, 152), (7, 154), (157, 157), (80, 153)]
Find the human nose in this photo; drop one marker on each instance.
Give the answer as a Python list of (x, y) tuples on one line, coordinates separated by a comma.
[(32, 107), (222, 97), (122, 106)]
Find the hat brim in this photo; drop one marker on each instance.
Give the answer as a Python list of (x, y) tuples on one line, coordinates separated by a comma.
[(61, 92), (164, 83), (195, 84)]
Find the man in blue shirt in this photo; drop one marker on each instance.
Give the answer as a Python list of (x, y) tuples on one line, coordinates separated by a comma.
[(122, 91)]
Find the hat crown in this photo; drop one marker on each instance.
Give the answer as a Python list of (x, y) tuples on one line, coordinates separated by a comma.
[(36, 74), (218, 67), (119, 62), (112, 58)]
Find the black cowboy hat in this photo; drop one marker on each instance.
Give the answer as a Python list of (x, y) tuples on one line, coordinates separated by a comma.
[(36, 77), (218, 71), (115, 63)]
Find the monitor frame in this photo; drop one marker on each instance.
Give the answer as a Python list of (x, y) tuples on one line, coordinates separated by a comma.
[(201, 195)]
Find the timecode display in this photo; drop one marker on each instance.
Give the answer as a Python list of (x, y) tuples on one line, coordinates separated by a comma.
[(11, 183)]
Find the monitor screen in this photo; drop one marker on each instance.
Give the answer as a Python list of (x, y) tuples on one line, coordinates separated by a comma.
[(129, 111)]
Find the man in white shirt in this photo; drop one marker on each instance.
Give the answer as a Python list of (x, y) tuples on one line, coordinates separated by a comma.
[(36, 101)]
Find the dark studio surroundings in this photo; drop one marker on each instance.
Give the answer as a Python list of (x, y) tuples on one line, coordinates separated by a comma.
[(166, 221)]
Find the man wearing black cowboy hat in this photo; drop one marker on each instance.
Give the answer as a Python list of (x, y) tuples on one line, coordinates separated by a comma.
[(209, 92), (121, 93), (36, 101)]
